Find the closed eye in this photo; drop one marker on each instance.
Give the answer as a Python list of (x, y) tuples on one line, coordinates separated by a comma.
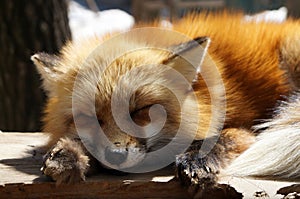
[(147, 107), (141, 116)]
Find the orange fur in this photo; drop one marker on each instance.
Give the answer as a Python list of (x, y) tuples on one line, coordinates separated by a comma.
[(247, 55)]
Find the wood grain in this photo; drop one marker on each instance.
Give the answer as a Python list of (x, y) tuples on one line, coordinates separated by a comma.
[(20, 177)]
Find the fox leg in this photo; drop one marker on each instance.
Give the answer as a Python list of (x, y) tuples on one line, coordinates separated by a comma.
[(66, 162), (199, 172)]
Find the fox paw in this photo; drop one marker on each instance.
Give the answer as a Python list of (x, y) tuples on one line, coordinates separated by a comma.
[(66, 162), (191, 169), (199, 175)]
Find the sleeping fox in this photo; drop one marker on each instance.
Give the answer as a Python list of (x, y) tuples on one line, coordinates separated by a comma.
[(196, 90)]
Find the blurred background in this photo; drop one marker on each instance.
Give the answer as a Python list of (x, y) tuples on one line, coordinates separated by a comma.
[(27, 27)]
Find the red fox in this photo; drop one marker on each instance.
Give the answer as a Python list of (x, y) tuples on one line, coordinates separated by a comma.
[(131, 71)]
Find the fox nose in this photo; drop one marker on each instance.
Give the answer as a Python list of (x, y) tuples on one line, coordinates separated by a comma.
[(115, 155)]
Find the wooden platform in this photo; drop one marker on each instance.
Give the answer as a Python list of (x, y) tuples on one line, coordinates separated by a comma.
[(20, 177)]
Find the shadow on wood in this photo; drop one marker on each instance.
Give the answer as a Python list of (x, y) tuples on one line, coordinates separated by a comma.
[(20, 176)]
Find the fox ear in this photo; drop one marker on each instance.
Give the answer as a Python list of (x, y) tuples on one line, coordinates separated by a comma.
[(187, 58), (47, 66)]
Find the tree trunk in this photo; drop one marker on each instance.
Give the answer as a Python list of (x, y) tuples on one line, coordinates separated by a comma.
[(27, 27)]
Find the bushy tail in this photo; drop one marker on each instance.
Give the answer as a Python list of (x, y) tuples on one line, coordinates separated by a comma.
[(276, 154)]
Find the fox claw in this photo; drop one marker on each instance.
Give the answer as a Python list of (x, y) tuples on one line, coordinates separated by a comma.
[(191, 170), (66, 162)]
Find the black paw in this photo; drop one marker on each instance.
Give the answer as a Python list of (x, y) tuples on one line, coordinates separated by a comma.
[(192, 169), (66, 162), (199, 175)]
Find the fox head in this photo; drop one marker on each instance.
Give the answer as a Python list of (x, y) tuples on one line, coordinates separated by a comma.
[(126, 98)]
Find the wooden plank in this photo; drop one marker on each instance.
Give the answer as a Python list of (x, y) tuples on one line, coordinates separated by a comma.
[(94, 190), (20, 158), (20, 176)]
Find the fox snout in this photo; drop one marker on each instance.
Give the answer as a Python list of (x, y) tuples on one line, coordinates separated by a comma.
[(116, 154), (121, 155)]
